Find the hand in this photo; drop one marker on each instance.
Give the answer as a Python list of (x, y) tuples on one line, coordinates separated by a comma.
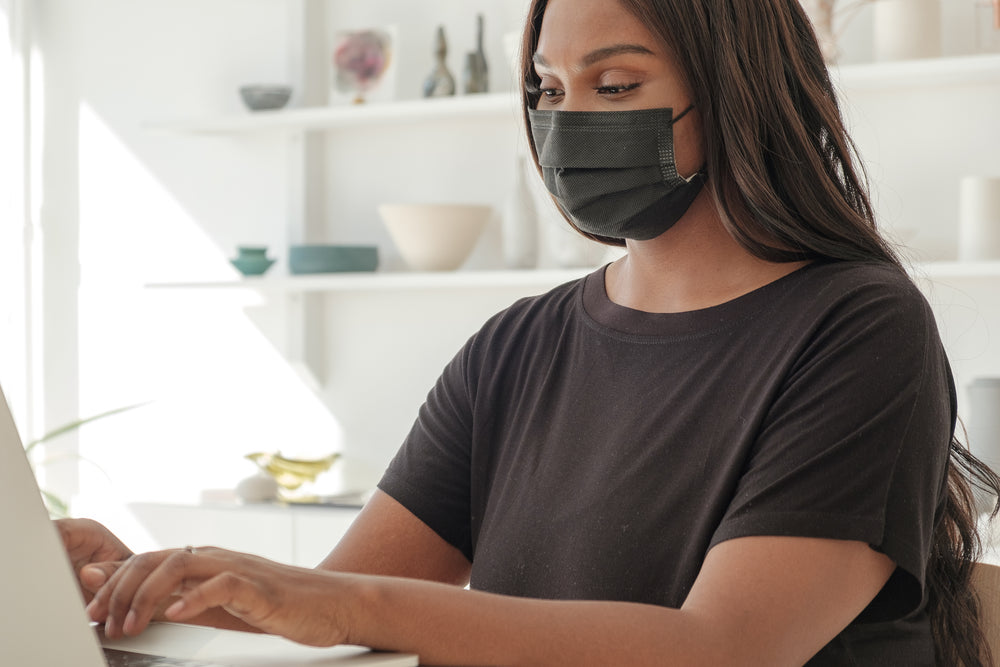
[(303, 605), (94, 552)]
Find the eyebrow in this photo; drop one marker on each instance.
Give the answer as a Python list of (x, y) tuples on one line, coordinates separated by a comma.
[(598, 55)]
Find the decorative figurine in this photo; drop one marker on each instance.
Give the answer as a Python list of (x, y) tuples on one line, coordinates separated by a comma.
[(476, 75), (440, 83)]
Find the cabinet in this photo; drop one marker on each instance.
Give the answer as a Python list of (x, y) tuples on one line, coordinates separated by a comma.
[(297, 535)]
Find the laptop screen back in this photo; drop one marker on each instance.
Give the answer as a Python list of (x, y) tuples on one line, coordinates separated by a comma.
[(42, 618)]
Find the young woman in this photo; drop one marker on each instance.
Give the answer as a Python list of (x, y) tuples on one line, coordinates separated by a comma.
[(732, 446)]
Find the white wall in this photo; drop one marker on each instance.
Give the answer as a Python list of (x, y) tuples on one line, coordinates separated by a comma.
[(146, 206), (16, 349), (150, 206)]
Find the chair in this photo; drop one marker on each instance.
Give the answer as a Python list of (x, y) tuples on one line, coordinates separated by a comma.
[(986, 583)]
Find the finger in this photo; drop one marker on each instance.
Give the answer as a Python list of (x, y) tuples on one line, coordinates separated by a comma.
[(114, 599), (180, 571), (95, 575), (87, 541), (228, 590)]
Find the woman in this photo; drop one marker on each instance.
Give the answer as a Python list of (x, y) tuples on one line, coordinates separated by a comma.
[(732, 446)]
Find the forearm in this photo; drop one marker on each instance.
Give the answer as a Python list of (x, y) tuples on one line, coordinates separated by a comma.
[(447, 625)]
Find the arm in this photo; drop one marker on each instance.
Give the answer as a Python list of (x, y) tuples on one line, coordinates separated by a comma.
[(757, 600), (386, 539), (766, 601)]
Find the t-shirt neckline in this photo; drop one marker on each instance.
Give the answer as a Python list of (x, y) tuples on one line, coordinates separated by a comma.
[(609, 315)]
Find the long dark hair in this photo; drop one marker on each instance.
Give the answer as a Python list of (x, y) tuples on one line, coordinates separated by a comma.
[(786, 180)]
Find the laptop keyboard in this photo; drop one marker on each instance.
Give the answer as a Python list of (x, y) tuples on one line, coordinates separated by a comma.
[(117, 658)]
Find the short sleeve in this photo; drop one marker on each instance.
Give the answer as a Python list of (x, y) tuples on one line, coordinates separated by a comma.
[(430, 474), (856, 442)]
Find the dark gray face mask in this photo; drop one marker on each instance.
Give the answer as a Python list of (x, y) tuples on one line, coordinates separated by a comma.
[(613, 172)]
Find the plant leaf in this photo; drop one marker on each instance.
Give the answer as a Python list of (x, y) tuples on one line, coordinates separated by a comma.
[(58, 509), (72, 426)]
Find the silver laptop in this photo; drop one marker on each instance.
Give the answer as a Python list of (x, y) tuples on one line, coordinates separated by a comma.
[(42, 617)]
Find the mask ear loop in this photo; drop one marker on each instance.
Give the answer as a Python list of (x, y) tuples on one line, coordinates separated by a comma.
[(702, 170), (682, 114)]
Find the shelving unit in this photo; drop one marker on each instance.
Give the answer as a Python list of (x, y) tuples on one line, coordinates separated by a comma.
[(931, 72), (459, 280), (389, 281), (876, 76), (504, 107), (498, 105)]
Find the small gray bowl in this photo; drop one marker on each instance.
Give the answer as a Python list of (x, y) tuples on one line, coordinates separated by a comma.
[(262, 98)]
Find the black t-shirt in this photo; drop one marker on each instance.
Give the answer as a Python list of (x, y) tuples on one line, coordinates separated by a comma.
[(578, 449)]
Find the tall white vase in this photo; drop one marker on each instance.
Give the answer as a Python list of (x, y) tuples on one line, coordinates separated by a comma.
[(907, 29), (979, 219), (520, 222), (984, 422)]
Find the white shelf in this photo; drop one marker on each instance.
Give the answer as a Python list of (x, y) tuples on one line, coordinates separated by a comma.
[(929, 72), (460, 280), (951, 270), (506, 106), (494, 105), (389, 281)]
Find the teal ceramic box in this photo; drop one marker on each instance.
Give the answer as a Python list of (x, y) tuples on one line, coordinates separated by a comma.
[(314, 258)]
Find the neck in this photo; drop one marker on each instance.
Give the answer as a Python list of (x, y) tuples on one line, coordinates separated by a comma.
[(695, 264)]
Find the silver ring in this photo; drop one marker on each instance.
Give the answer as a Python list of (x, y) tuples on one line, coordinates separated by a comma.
[(189, 549)]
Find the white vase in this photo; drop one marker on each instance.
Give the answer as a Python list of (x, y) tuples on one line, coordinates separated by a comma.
[(979, 219), (520, 222), (821, 15), (907, 29), (984, 420), (566, 247)]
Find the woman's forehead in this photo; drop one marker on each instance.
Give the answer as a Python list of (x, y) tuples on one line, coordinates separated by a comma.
[(579, 32)]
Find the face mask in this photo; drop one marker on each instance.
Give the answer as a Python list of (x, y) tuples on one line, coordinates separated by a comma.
[(613, 172)]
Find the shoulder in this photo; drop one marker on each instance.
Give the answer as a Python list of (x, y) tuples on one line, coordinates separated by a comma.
[(840, 281), (863, 295)]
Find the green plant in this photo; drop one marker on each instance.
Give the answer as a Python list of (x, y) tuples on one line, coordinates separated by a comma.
[(58, 507)]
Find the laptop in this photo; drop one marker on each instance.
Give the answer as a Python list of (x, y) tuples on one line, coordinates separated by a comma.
[(42, 616)]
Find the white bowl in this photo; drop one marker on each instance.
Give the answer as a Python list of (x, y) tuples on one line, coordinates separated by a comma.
[(435, 237)]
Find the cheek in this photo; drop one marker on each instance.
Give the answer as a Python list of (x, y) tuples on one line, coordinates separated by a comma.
[(688, 146)]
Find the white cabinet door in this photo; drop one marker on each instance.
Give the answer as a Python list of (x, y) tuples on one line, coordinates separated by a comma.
[(295, 535), (260, 530)]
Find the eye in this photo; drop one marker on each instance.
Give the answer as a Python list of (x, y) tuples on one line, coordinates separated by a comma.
[(546, 91), (616, 89)]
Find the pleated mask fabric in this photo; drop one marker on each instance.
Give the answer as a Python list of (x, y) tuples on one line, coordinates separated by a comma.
[(613, 172)]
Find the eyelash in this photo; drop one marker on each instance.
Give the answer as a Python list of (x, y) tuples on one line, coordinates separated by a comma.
[(612, 89), (617, 89)]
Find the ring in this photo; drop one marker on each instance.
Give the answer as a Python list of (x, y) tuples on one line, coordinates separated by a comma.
[(189, 549)]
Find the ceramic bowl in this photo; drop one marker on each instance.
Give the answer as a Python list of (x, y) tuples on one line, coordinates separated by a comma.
[(252, 260), (262, 97), (317, 258), (435, 237)]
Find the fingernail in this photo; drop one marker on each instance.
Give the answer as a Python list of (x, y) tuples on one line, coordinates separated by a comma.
[(175, 609), (94, 576), (130, 621)]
